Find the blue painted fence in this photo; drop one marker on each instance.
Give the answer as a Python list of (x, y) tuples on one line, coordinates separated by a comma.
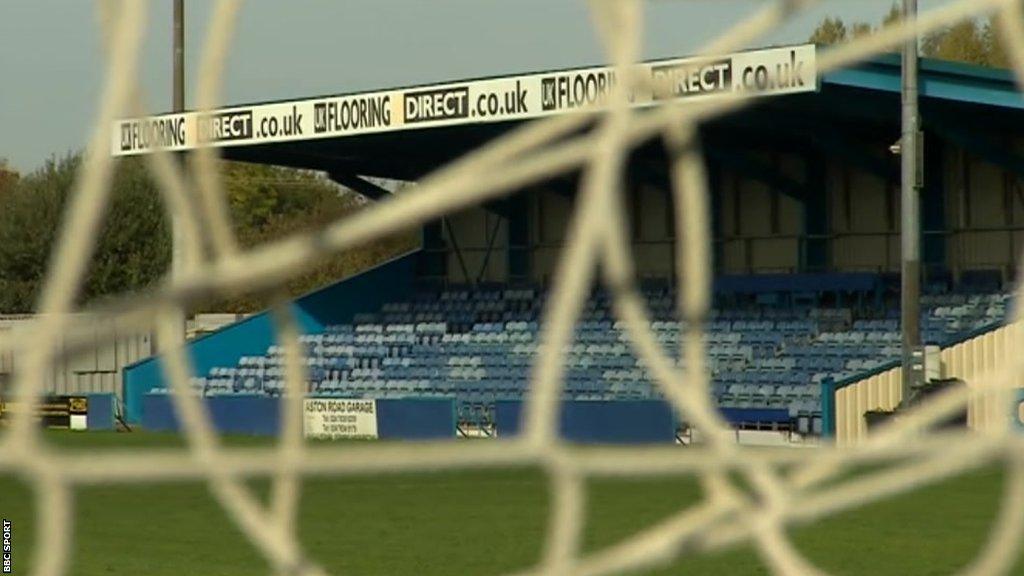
[(600, 422), (397, 419), (335, 304), (755, 415), (101, 412), (253, 415), (413, 419)]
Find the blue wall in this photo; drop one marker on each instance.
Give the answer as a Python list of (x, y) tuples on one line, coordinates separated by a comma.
[(432, 419), (600, 422), (755, 415), (256, 415), (397, 419), (334, 304), (101, 412)]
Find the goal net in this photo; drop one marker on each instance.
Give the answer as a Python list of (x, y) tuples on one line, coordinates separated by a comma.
[(781, 489)]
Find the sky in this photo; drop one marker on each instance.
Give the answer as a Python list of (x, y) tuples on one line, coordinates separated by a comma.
[(52, 66)]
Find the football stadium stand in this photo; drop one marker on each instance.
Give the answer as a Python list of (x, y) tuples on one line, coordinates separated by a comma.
[(477, 345), (803, 216)]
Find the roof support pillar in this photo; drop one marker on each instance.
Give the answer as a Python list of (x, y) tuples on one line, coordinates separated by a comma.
[(815, 248), (518, 251), (359, 185)]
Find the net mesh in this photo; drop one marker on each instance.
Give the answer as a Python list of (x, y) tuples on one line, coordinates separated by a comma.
[(782, 489)]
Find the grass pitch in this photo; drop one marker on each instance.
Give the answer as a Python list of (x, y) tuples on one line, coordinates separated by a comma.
[(480, 522)]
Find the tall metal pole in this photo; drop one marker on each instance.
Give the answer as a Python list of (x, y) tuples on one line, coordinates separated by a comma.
[(910, 156), (179, 56), (178, 105)]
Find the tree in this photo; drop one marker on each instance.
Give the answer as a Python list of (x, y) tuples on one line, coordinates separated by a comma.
[(269, 203), (998, 56), (969, 41), (133, 249), (7, 176), (894, 15), (860, 29), (964, 41), (259, 194), (830, 31)]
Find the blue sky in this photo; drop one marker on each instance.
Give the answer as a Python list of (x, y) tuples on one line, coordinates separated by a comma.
[(50, 53)]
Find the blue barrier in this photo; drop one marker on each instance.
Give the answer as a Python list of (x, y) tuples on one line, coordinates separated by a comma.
[(254, 415), (599, 422), (828, 408), (397, 419), (756, 415), (100, 415), (427, 419), (333, 304)]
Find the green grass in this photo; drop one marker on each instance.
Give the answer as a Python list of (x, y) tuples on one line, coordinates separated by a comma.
[(481, 522)]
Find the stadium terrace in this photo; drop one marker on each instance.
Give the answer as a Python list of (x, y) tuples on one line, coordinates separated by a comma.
[(806, 243)]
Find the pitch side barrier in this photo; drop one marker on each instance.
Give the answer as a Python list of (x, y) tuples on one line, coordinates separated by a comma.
[(75, 412), (323, 418), (599, 421), (767, 72)]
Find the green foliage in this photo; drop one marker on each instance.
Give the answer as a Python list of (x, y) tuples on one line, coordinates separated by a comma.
[(269, 203), (997, 54), (893, 16), (830, 31), (262, 196), (29, 214), (7, 180), (968, 41), (860, 29), (962, 42), (134, 249)]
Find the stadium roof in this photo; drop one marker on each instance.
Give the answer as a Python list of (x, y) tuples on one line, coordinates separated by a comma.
[(405, 132), (940, 79)]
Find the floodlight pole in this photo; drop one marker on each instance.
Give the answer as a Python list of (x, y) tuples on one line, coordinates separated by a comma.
[(179, 56), (910, 175), (178, 105)]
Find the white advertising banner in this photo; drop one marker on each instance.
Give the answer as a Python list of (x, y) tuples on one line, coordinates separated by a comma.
[(773, 71), (339, 418)]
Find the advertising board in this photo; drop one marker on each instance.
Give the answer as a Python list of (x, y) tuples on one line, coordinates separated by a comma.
[(767, 72), (339, 418)]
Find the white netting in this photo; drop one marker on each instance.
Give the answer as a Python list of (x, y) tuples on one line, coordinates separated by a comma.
[(597, 235)]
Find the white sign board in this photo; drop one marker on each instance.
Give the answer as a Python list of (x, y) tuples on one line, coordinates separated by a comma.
[(339, 418), (772, 71)]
